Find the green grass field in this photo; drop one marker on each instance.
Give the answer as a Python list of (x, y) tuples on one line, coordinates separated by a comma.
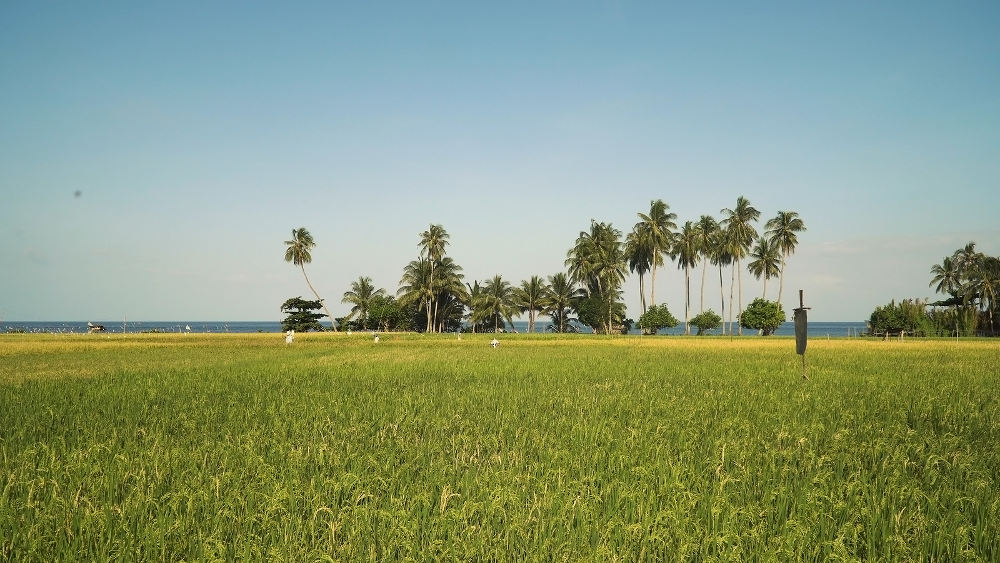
[(235, 447)]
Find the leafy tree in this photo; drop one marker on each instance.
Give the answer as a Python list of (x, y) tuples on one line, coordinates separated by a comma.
[(763, 315), (781, 232), (529, 298), (908, 315), (705, 321), (360, 295), (656, 229), (299, 253), (386, 313), (655, 318), (739, 222), (765, 262), (301, 316), (603, 314), (686, 251)]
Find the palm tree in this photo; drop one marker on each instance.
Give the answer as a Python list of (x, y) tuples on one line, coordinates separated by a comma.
[(707, 226), (415, 287), (299, 253), (685, 251), (560, 300), (597, 261), (719, 243), (765, 261), (947, 276), (738, 221), (529, 298), (448, 289), (432, 243), (496, 303), (361, 295), (657, 227), (781, 230), (638, 254)]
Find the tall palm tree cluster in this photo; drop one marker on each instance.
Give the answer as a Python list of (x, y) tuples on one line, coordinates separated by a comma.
[(589, 292), (727, 242), (971, 280)]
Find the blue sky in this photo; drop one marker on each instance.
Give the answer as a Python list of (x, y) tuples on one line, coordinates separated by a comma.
[(200, 134)]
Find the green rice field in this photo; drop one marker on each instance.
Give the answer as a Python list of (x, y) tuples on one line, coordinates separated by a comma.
[(557, 448)]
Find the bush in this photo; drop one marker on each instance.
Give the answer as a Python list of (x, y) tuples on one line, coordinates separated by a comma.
[(655, 318), (708, 320), (763, 315)]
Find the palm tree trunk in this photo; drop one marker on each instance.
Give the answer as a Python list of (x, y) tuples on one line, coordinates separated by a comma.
[(652, 284), (732, 284), (430, 319), (781, 277), (642, 291), (722, 300), (763, 294), (333, 324), (687, 300), (739, 325), (704, 268)]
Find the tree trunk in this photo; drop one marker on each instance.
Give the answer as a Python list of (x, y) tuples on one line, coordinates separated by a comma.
[(642, 291), (781, 277), (333, 323), (739, 325), (652, 283), (704, 268), (687, 300), (722, 300), (732, 284)]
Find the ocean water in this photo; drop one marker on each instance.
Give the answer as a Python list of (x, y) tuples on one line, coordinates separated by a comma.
[(817, 329)]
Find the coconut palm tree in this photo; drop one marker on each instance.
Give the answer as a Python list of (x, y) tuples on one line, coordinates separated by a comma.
[(529, 297), (415, 287), (361, 295), (299, 253), (781, 230), (765, 261), (657, 227), (707, 226), (448, 288), (720, 256), (686, 251), (947, 276), (739, 222), (597, 261), (638, 254), (496, 303), (560, 300), (432, 246)]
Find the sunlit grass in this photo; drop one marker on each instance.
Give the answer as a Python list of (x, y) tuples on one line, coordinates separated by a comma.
[(230, 446)]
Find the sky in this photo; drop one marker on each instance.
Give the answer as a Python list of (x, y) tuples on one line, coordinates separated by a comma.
[(154, 156)]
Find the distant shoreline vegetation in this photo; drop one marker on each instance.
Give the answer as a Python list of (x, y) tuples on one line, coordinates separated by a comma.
[(433, 295), (817, 329)]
